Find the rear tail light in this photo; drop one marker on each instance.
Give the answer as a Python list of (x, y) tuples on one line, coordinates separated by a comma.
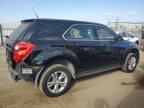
[(22, 50)]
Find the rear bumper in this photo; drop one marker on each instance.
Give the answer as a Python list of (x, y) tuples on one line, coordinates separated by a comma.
[(24, 72), (13, 73)]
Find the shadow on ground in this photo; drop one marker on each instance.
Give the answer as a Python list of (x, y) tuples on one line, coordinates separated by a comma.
[(135, 99), (101, 103)]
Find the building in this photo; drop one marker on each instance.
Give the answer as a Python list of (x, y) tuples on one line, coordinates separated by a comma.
[(137, 28)]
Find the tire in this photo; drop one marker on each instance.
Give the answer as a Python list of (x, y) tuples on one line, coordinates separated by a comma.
[(50, 74), (126, 67)]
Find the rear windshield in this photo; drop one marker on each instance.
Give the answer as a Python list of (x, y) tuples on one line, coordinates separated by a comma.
[(20, 30)]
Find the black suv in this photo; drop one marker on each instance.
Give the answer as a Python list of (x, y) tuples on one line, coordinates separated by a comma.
[(51, 53)]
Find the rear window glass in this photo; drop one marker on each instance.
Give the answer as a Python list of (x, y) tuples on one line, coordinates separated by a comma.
[(20, 30), (51, 30)]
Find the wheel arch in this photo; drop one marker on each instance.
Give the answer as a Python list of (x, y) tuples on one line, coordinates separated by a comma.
[(70, 63), (134, 50)]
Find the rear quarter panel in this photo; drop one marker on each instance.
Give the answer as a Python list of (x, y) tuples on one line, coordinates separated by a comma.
[(51, 53)]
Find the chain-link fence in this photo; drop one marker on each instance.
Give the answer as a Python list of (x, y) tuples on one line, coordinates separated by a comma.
[(5, 30)]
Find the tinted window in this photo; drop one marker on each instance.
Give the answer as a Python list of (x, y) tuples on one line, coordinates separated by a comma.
[(20, 30), (104, 34), (80, 32), (51, 30)]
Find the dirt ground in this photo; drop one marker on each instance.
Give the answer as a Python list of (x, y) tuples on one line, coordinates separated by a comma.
[(114, 89)]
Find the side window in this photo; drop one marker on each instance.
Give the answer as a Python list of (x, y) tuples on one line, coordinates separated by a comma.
[(104, 34), (80, 32)]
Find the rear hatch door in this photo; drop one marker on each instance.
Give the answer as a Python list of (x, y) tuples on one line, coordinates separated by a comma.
[(17, 35)]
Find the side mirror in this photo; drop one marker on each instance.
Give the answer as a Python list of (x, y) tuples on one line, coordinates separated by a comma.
[(118, 38), (6, 36)]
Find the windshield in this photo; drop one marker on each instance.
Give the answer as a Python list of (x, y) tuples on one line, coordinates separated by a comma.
[(125, 34), (128, 35)]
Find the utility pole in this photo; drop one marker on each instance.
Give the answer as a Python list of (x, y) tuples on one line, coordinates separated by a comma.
[(1, 35)]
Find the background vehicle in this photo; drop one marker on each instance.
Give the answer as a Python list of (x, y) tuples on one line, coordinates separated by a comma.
[(142, 35), (52, 53), (129, 36)]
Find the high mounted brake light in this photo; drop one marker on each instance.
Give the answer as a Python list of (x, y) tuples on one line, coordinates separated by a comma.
[(22, 50)]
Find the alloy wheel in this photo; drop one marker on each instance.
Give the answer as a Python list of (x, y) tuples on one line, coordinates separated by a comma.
[(131, 63), (57, 82)]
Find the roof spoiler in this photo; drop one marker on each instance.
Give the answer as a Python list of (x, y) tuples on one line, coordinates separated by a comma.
[(29, 20)]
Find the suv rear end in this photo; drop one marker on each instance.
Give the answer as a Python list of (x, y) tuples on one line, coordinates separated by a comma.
[(30, 39), (17, 48)]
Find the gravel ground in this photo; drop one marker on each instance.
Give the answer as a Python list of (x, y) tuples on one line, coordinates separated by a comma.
[(113, 89)]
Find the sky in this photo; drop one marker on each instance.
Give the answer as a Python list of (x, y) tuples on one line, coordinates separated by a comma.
[(99, 11)]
